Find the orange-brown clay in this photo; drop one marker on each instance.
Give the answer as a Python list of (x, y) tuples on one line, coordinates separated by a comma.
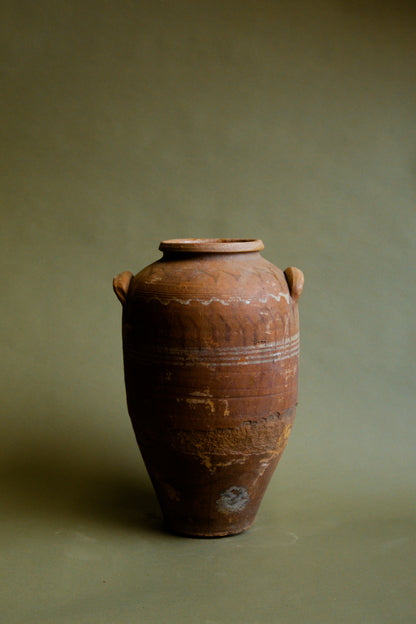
[(211, 347)]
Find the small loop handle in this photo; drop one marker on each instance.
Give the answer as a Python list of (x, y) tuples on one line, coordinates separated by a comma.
[(121, 285), (295, 280)]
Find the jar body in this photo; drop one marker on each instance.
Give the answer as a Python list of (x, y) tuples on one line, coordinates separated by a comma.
[(210, 344)]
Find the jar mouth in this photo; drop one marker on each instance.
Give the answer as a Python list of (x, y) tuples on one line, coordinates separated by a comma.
[(211, 245)]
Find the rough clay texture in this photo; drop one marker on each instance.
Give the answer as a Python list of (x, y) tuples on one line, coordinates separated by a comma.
[(268, 434)]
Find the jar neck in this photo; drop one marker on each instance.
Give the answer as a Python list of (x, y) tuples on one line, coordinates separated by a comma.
[(210, 246)]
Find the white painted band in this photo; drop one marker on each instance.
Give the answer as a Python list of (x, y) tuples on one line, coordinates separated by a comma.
[(165, 300)]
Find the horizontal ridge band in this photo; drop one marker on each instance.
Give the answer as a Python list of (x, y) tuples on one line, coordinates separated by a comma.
[(222, 356)]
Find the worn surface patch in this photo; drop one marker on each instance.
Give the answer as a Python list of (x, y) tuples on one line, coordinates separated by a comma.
[(233, 500), (261, 436)]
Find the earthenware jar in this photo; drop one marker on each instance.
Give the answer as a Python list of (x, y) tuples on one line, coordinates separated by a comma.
[(211, 344)]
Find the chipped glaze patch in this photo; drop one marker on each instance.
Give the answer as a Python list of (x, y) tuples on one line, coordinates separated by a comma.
[(194, 403), (201, 393), (233, 500)]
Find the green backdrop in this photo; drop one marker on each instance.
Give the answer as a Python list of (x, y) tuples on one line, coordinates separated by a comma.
[(124, 123)]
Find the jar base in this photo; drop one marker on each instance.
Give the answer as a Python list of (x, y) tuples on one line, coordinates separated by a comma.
[(207, 533)]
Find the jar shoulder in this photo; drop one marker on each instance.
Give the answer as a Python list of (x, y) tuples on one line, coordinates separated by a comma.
[(207, 276)]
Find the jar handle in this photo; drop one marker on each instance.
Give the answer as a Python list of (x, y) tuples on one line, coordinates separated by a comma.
[(295, 280), (121, 285)]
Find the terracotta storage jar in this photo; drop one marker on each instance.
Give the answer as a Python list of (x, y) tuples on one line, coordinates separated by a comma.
[(211, 346)]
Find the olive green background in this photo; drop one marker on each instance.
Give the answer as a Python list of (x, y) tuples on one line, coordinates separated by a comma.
[(124, 123)]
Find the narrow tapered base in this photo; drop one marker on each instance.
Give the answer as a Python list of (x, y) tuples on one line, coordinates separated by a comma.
[(207, 533)]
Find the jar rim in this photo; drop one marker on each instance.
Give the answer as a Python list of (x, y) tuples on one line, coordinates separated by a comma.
[(211, 245)]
